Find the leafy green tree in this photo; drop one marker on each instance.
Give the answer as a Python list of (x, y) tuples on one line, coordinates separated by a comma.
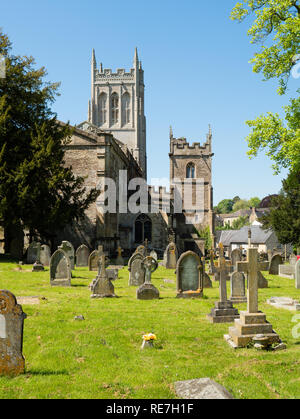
[(254, 202), (225, 206), (276, 28), (284, 216), (280, 20), (240, 222), (241, 204), (36, 189)]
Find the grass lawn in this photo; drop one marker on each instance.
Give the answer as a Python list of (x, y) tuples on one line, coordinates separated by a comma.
[(101, 357)]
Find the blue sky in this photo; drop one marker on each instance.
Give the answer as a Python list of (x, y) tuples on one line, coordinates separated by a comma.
[(197, 72)]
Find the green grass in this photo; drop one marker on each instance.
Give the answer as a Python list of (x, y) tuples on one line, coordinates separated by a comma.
[(101, 356)]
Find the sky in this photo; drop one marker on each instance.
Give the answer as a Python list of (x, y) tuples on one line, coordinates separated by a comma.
[(197, 72)]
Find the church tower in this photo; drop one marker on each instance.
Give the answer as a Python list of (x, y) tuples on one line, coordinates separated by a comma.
[(117, 106)]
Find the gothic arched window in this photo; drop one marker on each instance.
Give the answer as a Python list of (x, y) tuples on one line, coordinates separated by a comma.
[(102, 106), (114, 108), (190, 171), (143, 229), (126, 108)]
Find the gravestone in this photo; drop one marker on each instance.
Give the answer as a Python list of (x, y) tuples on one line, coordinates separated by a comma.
[(201, 389), (274, 265), (189, 276), (286, 303), (153, 254), (297, 275), (262, 281), (171, 256), (142, 250), (82, 256), (206, 281), (236, 256), (12, 318), (93, 261), (223, 312), (120, 260), (136, 270), (102, 286), (293, 259), (212, 269), (38, 266), (238, 288), (252, 322), (148, 291), (32, 252), (287, 271), (45, 255), (60, 269), (68, 248)]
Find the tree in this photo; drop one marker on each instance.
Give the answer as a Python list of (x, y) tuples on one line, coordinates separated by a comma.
[(277, 18), (225, 206), (254, 202), (280, 21), (36, 189), (283, 217), (240, 222), (241, 204)]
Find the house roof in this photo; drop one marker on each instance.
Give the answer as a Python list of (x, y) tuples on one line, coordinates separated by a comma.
[(259, 236)]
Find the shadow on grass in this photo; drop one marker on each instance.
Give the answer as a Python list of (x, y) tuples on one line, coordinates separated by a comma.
[(46, 373)]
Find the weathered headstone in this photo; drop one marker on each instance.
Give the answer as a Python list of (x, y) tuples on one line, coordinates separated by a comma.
[(102, 286), (32, 252), (236, 256), (252, 322), (188, 273), (142, 250), (201, 389), (212, 269), (297, 275), (93, 261), (224, 312), (45, 255), (274, 265), (136, 270), (238, 288), (60, 269), (293, 259), (171, 256), (68, 248), (38, 266), (120, 259), (262, 281), (287, 271), (148, 291), (206, 281), (82, 256), (12, 319)]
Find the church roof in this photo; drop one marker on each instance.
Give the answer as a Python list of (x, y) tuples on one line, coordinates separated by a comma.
[(259, 236)]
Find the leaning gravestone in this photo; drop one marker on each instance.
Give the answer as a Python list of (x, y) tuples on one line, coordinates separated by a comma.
[(12, 319), (188, 272), (297, 275), (82, 256), (32, 252), (171, 256), (262, 281), (45, 255), (201, 389), (68, 248), (136, 270), (274, 265), (238, 288), (60, 269), (148, 291)]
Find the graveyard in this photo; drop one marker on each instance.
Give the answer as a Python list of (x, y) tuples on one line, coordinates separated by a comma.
[(78, 347)]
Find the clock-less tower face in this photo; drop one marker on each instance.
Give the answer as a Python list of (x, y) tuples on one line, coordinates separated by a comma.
[(117, 106)]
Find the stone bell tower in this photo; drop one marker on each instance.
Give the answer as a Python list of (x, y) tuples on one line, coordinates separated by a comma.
[(117, 106)]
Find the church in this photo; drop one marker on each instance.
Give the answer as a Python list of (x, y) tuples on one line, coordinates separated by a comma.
[(111, 144)]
